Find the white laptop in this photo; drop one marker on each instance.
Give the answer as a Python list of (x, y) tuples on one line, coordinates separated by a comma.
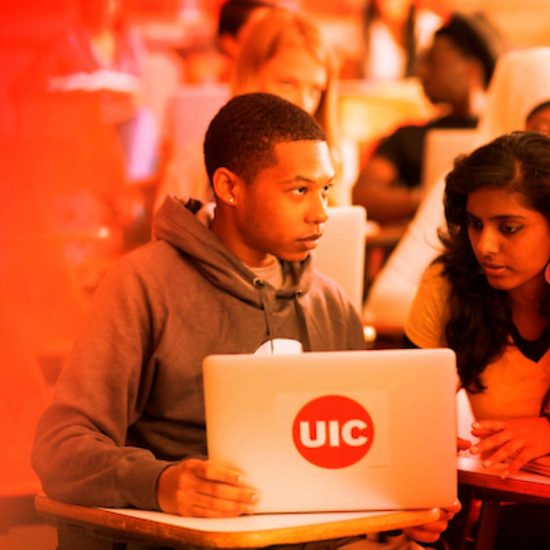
[(336, 431), (340, 252)]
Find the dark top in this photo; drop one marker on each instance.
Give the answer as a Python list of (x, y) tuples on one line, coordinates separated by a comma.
[(405, 147)]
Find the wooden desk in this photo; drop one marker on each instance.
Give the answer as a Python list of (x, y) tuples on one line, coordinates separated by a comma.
[(487, 485), (112, 527)]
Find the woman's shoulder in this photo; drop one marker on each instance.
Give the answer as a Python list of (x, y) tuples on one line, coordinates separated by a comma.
[(425, 325), (434, 276)]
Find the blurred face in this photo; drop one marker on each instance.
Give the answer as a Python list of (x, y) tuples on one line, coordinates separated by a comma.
[(539, 122), (445, 72), (295, 75), (282, 212), (511, 242)]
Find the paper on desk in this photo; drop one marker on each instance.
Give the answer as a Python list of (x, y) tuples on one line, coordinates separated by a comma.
[(540, 465), (473, 464), (259, 522)]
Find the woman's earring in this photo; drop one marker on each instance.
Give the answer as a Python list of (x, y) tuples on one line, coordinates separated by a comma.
[(547, 273)]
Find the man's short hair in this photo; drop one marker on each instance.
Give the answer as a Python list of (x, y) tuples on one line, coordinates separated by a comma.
[(242, 136), (475, 37)]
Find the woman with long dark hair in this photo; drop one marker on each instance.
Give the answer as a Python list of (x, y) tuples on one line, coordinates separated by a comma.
[(487, 296)]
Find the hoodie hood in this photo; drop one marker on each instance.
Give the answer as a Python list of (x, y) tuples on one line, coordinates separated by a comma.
[(178, 223)]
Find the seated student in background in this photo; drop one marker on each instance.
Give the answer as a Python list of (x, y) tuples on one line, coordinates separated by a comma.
[(282, 53), (487, 297), (395, 33), (184, 174), (127, 427), (516, 98), (234, 19), (455, 72), (286, 54)]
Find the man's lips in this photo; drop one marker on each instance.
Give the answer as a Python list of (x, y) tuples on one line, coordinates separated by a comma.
[(314, 237), (310, 241)]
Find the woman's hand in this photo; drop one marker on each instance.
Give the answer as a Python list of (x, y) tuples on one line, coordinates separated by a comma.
[(462, 444), (518, 440), (199, 488), (430, 532)]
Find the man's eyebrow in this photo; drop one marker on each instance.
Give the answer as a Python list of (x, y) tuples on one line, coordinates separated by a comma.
[(304, 179)]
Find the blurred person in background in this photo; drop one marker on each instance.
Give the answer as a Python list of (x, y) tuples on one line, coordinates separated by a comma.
[(212, 62), (182, 163), (285, 54), (235, 17), (103, 53), (94, 71), (69, 205), (281, 53), (395, 32), (59, 169), (455, 73), (516, 100)]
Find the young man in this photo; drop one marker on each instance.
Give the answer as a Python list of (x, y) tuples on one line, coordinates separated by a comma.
[(455, 72), (127, 424)]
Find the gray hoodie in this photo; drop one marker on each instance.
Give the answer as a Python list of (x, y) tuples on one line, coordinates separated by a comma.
[(129, 401)]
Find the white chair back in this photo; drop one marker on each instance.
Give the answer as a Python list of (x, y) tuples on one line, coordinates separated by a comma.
[(442, 146), (340, 253)]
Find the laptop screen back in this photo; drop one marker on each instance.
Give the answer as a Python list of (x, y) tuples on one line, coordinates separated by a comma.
[(336, 431)]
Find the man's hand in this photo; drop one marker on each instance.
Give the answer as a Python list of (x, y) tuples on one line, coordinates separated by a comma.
[(518, 440), (430, 532), (199, 488)]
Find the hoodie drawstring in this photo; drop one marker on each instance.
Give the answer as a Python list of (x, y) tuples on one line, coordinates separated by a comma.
[(306, 344), (305, 341), (260, 285)]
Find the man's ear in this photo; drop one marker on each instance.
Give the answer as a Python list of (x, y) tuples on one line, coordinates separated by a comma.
[(226, 185)]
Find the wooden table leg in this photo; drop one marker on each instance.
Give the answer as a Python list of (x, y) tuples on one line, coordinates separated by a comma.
[(488, 522), (70, 537)]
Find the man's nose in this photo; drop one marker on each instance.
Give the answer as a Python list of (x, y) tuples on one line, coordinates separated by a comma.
[(318, 212)]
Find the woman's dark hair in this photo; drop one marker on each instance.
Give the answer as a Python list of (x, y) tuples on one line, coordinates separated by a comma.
[(480, 321)]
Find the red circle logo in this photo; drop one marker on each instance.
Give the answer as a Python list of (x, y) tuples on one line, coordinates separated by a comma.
[(333, 431)]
